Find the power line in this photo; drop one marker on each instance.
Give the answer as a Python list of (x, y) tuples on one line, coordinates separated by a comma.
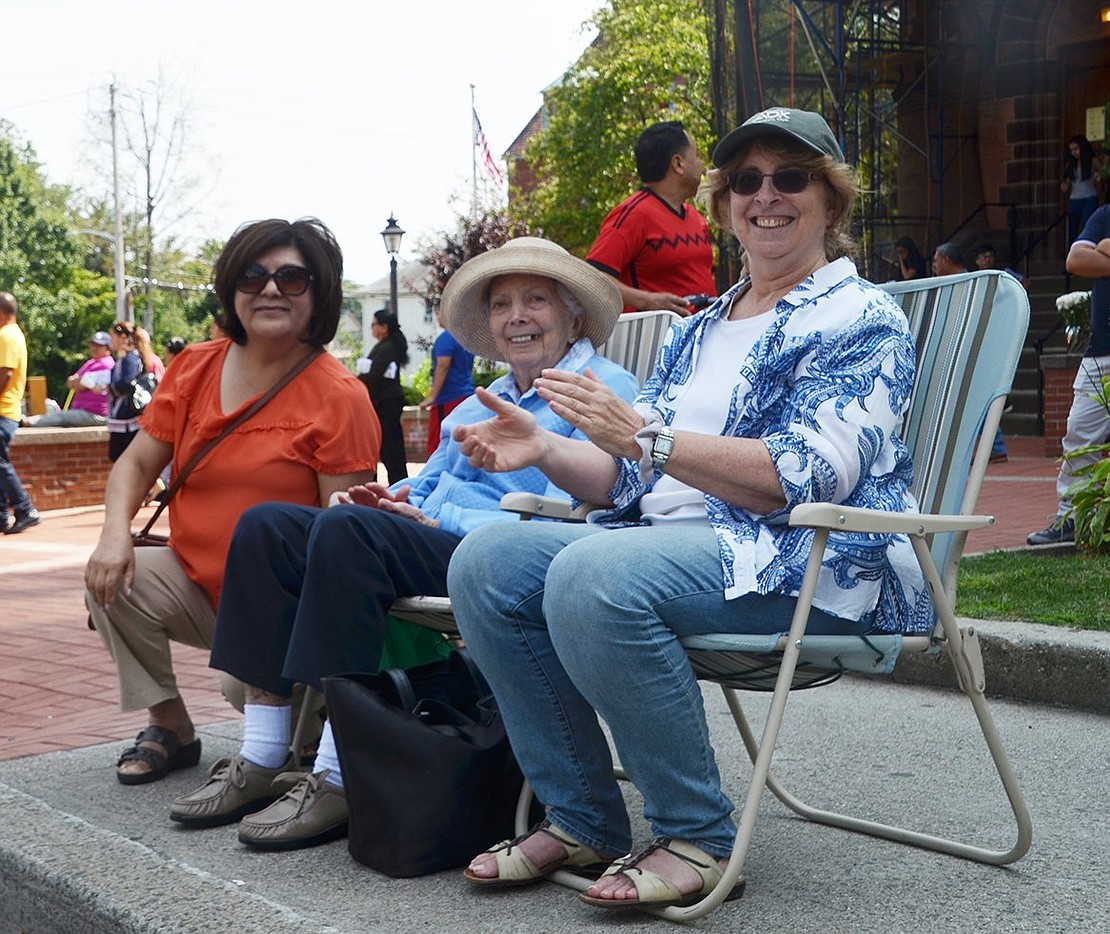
[(50, 100)]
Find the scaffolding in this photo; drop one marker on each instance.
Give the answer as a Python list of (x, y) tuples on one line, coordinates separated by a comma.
[(869, 66)]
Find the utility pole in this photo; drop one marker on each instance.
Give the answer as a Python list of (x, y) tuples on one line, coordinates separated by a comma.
[(123, 310)]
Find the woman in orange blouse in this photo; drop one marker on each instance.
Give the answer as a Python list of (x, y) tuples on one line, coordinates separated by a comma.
[(280, 285)]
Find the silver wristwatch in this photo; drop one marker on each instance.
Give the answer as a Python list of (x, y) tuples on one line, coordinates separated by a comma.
[(662, 446)]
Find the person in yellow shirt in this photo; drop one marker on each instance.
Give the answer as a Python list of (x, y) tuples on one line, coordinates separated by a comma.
[(14, 500)]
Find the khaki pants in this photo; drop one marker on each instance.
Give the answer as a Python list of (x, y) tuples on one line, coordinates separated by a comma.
[(164, 606)]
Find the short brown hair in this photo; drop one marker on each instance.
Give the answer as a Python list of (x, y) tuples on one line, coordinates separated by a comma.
[(838, 177), (322, 257)]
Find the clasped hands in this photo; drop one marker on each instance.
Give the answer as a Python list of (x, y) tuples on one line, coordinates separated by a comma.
[(378, 496)]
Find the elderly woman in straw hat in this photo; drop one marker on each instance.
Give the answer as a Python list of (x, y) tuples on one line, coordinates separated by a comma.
[(790, 388), (307, 590)]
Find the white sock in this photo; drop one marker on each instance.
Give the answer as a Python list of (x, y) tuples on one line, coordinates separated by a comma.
[(327, 757), (266, 734)]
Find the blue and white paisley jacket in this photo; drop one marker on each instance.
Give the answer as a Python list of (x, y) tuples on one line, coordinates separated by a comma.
[(825, 387)]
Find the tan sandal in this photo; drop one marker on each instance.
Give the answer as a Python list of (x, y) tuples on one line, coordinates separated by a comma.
[(652, 890), (515, 868)]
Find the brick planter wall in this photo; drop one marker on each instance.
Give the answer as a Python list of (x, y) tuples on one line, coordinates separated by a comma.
[(1059, 373), (62, 467), (414, 423)]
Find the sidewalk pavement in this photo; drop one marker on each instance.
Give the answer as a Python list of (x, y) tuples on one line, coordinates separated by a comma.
[(58, 683), (60, 716)]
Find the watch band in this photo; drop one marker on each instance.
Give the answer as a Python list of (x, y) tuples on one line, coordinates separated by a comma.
[(662, 447)]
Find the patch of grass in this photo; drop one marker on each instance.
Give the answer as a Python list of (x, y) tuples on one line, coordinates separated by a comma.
[(1062, 588)]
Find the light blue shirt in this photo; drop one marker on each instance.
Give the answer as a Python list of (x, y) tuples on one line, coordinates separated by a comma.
[(462, 497), (825, 388)]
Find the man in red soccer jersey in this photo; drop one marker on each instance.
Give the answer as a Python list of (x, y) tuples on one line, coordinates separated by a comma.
[(653, 243)]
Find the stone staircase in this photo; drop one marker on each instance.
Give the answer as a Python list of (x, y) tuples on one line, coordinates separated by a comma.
[(1045, 283)]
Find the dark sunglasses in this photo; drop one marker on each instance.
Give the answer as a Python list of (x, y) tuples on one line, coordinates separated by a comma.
[(785, 181), (120, 329), (290, 280)]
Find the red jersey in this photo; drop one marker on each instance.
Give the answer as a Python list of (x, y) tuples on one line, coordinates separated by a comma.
[(647, 244)]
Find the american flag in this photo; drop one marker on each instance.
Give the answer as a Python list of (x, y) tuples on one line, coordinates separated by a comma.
[(482, 144)]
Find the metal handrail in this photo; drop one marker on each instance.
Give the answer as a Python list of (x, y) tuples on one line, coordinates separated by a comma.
[(1011, 222), (1037, 241)]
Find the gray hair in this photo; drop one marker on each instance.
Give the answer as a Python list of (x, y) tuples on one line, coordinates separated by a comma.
[(573, 305), (951, 252)]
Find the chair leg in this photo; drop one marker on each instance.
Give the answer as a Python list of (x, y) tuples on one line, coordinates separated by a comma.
[(962, 647), (765, 749), (310, 705)]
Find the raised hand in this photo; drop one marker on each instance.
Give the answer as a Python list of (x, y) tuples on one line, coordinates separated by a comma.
[(511, 440), (594, 409)]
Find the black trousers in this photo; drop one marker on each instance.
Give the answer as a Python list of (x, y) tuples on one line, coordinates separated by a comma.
[(306, 591), (393, 438), (118, 442)]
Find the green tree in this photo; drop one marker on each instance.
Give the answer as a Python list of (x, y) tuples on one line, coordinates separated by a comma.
[(649, 63), (60, 302)]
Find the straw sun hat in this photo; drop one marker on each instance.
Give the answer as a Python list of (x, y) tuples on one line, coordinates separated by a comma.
[(465, 301)]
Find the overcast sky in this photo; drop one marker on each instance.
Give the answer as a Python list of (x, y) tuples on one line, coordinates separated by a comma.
[(346, 110)]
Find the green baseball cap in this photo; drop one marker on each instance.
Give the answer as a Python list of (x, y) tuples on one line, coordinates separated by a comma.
[(806, 127)]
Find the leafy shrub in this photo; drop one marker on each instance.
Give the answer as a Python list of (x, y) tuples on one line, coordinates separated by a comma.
[(486, 371), (420, 384), (1090, 504)]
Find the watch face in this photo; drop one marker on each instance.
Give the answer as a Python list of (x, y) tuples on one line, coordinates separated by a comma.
[(661, 448)]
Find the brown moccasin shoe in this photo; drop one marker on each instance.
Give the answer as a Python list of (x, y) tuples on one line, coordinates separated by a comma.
[(308, 814), (235, 787)]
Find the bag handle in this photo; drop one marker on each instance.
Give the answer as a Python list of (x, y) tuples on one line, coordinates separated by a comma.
[(406, 694), (403, 686), (179, 480), (480, 684)]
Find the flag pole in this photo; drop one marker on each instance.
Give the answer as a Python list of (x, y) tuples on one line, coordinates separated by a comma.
[(473, 156)]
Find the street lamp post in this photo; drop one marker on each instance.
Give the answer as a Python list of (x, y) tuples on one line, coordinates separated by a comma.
[(392, 236)]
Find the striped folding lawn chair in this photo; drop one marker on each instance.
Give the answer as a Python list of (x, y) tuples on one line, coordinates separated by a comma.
[(969, 331)]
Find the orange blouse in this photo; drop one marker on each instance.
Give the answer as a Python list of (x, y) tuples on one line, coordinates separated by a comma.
[(321, 423)]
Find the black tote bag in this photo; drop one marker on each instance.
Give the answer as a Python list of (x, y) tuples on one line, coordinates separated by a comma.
[(430, 778)]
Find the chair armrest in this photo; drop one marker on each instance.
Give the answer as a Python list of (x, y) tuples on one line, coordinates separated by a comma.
[(426, 612), (877, 521), (528, 505)]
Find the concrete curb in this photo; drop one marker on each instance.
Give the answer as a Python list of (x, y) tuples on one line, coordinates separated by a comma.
[(79, 852), (67, 876), (1028, 662)]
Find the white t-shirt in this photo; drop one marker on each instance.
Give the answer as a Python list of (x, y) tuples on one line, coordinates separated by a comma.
[(703, 407)]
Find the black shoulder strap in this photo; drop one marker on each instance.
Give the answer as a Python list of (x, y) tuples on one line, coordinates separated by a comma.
[(183, 473)]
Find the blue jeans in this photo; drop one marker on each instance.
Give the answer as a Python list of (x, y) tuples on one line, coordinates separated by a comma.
[(12, 495), (1079, 212), (998, 446), (569, 622)]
